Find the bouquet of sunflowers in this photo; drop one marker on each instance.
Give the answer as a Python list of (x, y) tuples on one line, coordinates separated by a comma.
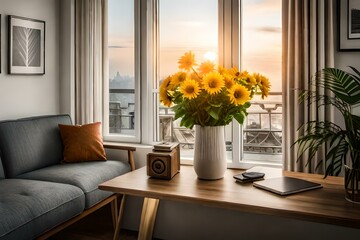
[(208, 96)]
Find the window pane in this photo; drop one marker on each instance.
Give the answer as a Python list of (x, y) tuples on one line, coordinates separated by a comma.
[(121, 42), (185, 25), (261, 52)]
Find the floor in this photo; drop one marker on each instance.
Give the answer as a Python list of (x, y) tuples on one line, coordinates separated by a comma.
[(96, 226)]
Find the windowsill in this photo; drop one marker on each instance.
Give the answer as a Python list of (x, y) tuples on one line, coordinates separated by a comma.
[(244, 164), (137, 145)]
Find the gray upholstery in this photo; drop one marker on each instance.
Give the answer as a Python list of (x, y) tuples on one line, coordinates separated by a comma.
[(28, 207), (85, 175), (31, 143), (37, 193)]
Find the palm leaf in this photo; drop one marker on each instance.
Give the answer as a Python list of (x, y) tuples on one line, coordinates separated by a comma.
[(311, 97), (357, 78), (336, 155), (315, 134), (341, 83)]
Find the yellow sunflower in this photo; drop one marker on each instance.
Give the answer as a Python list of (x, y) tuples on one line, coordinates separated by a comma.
[(165, 99), (178, 78), (190, 89), (223, 70), (229, 82), (263, 83), (213, 82), (206, 67), (243, 74), (187, 61), (250, 80), (166, 83), (239, 95), (234, 71)]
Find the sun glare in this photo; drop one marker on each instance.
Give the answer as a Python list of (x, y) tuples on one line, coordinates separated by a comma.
[(211, 56)]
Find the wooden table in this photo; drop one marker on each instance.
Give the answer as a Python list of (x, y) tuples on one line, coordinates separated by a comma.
[(325, 205)]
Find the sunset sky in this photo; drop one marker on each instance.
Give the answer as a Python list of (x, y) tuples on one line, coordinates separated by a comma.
[(192, 25)]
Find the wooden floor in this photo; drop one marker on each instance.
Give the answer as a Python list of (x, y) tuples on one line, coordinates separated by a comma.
[(96, 226)]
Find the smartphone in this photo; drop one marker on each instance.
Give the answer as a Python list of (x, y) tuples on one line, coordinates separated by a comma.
[(249, 177)]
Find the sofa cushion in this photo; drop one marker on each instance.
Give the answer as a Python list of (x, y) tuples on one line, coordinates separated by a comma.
[(31, 143), (28, 208), (82, 143), (85, 175)]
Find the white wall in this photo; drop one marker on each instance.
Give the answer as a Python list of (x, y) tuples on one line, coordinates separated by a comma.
[(26, 95), (345, 59)]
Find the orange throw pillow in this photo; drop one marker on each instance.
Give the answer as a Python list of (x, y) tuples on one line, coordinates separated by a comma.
[(82, 143)]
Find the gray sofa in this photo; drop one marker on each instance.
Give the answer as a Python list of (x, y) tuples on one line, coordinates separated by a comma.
[(37, 192)]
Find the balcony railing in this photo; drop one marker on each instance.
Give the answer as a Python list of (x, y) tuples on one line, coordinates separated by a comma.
[(262, 130), (121, 111)]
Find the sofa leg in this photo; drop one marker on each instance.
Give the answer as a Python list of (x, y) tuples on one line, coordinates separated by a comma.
[(117, 215)]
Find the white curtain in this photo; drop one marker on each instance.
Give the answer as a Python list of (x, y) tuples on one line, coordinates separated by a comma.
[(90, 53), (308, 46)]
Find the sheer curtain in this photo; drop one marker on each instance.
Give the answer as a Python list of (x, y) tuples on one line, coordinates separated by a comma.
[(308, 46), (90, 53)]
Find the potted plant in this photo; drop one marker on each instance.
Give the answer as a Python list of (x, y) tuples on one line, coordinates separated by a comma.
[(342, 91), (210, 98)]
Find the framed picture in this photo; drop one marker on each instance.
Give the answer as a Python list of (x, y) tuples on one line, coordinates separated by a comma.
[(26, 46), (349, 25)]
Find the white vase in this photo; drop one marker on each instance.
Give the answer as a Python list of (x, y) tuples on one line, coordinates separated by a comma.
[(210, 152)]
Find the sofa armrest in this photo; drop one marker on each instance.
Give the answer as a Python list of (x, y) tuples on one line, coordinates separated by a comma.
[(129, 149)]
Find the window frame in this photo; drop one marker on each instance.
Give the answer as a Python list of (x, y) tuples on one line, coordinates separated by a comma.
[(136, 138), (147, 72)]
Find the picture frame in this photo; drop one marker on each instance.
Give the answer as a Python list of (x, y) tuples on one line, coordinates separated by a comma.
[(349, 25), (26, 46)]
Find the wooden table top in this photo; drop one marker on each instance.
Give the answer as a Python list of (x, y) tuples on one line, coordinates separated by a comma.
[(325, 205)]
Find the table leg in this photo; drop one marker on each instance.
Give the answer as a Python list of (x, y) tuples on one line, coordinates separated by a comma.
[(119, 217), (114, 211), (148, 217)]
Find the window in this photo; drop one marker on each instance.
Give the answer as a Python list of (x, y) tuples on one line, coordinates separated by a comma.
[(123, 115), (242, 33)]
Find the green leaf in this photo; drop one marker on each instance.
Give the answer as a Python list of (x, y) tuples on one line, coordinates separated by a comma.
[(240, 117), (247, 105), (335, 156), (341, 83), (214, 112), (180, 113), (215, 105)]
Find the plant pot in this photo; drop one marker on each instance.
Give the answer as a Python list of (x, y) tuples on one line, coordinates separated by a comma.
[(210, 152), (352, 184)]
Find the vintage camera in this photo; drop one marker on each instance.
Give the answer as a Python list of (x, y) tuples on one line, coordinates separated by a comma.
[(164, 162)]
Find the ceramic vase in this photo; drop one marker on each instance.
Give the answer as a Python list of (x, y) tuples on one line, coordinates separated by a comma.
[(210, 152)]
